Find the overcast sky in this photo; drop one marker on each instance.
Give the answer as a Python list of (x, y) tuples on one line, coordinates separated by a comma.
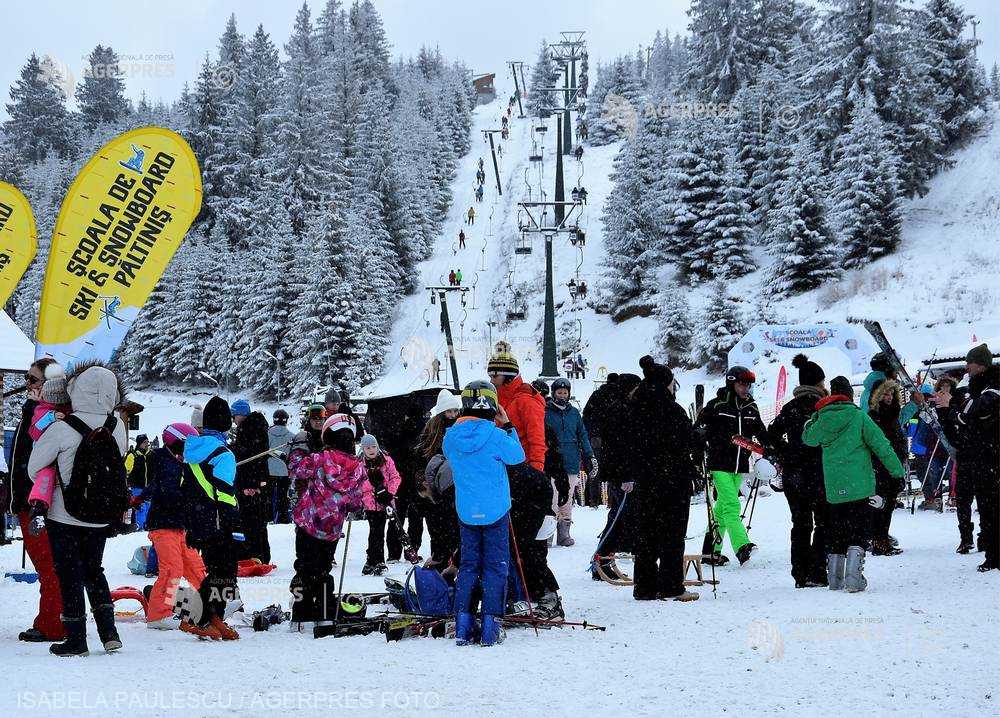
[(163, 43)]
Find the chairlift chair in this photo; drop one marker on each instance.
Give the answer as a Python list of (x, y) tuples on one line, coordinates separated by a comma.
[(523, 245)]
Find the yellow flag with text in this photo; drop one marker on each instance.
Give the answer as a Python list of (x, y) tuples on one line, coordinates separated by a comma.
[(123, 218), (18, 239)]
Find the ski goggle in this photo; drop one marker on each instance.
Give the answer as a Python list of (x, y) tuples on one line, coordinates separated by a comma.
[(316, 411)]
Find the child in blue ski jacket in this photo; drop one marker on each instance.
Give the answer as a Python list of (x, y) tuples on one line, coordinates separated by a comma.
[(479, 453)]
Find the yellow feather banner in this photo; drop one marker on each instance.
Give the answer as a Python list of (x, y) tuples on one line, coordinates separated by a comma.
[(123, 218), (18, 239)]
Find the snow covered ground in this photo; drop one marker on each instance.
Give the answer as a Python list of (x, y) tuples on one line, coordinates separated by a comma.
[(920, 641)]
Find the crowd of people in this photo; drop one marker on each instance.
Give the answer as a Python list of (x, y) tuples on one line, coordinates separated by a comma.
[(493, 474)]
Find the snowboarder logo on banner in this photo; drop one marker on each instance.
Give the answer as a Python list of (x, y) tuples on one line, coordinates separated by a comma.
[(110, 310), (134, 162)]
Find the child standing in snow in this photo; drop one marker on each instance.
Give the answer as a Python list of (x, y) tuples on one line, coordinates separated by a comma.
[(332, 489), (53, 406), (479, 453), (378, 489)]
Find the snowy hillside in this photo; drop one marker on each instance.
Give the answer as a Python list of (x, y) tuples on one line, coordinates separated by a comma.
[(935, 291)]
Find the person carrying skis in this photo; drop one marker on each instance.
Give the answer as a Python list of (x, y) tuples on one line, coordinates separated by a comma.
[(849, 439), (884, 406), (564, 419), (662, 477), (979, 421), (165, 523), (470, 216), (332, 489), (212, 518), (479, 193), (378, 489), (802, 475), (479, 452), (521, 402), (733, 412)]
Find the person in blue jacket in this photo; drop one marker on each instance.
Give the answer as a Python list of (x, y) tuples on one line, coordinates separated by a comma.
[(882, 370), (479, 453), (213, 519), (565, 420)]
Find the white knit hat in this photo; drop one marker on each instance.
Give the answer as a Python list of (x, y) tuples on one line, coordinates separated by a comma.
[(445, 401)]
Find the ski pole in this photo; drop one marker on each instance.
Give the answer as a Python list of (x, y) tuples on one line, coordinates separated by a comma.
[(754, 490), (343, 569), (713, 526), (520, 570), (923, 484), (263, 453)]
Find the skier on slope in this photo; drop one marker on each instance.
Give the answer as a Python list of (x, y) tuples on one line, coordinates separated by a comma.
[(849, 438), (565, 420), (461, 239), (470, 216), (458, 277), (660, 451), (451, 278), (733, 412), (802, 475)]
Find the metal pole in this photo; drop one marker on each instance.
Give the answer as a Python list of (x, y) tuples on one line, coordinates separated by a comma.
[(496, 167), (446, 324), (560, 211), (550, 366), (567, 123), (517, 89)]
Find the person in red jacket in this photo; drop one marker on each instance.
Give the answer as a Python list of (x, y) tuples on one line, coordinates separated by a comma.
[(524, 405)]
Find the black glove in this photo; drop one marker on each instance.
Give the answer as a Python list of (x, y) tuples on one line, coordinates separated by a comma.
[(383, 497), (562, 488)]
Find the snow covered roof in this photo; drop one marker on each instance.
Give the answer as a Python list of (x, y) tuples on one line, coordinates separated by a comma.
[(16, 350), (956, 353)]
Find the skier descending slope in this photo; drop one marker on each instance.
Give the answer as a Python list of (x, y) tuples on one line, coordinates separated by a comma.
[(733, 412)]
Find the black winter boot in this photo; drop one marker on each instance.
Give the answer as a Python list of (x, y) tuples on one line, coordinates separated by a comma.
[(76, 638), (104, 617)]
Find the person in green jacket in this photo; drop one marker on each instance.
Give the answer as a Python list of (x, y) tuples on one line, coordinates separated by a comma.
[(849, 438)]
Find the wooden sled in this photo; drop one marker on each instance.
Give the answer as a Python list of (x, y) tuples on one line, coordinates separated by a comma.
[(609, 572)]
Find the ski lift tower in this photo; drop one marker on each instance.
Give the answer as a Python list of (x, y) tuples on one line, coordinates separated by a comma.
[(536, 213), (441, 292), (560, 194), (493, 153), (566, 53), (519, 87)]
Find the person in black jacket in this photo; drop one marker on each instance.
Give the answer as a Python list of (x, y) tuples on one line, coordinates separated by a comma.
[(595, 418), (885, 406), (251, 440), (965, 465), (662, 442), (617, 535), (979, 420), (733, 412), (802, 475), (165, 523)]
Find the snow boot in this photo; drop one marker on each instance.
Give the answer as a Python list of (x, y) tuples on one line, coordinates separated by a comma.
[(205, 633), (465, 628), (33, 635), (493, 632), (715, 559), (550, 607), (380, 569), (104, 617), (227, 632), (684, 597), (76, 638), (368, 570), (743, 555), (836, 563), (854, 578), (986, 566), (884, 547), (965, 547), (164, 624), (562, 533)]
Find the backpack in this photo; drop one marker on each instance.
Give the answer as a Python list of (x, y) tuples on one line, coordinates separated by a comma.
[(97, 491)]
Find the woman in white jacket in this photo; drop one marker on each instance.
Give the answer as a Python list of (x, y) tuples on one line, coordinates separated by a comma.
[(78, 546)]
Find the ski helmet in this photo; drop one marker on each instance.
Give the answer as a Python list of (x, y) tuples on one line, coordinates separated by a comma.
[(561, 383), (540, 386), (740, 374), (280, 417), (480, 395), (315, 411), (174, 433), (880, 362), (336, 422), (765, 470)]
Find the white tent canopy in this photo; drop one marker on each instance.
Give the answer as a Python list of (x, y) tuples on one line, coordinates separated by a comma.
[(16, 350)]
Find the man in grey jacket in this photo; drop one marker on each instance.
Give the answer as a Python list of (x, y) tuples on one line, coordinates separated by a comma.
[(78, 546), (279, 437)]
